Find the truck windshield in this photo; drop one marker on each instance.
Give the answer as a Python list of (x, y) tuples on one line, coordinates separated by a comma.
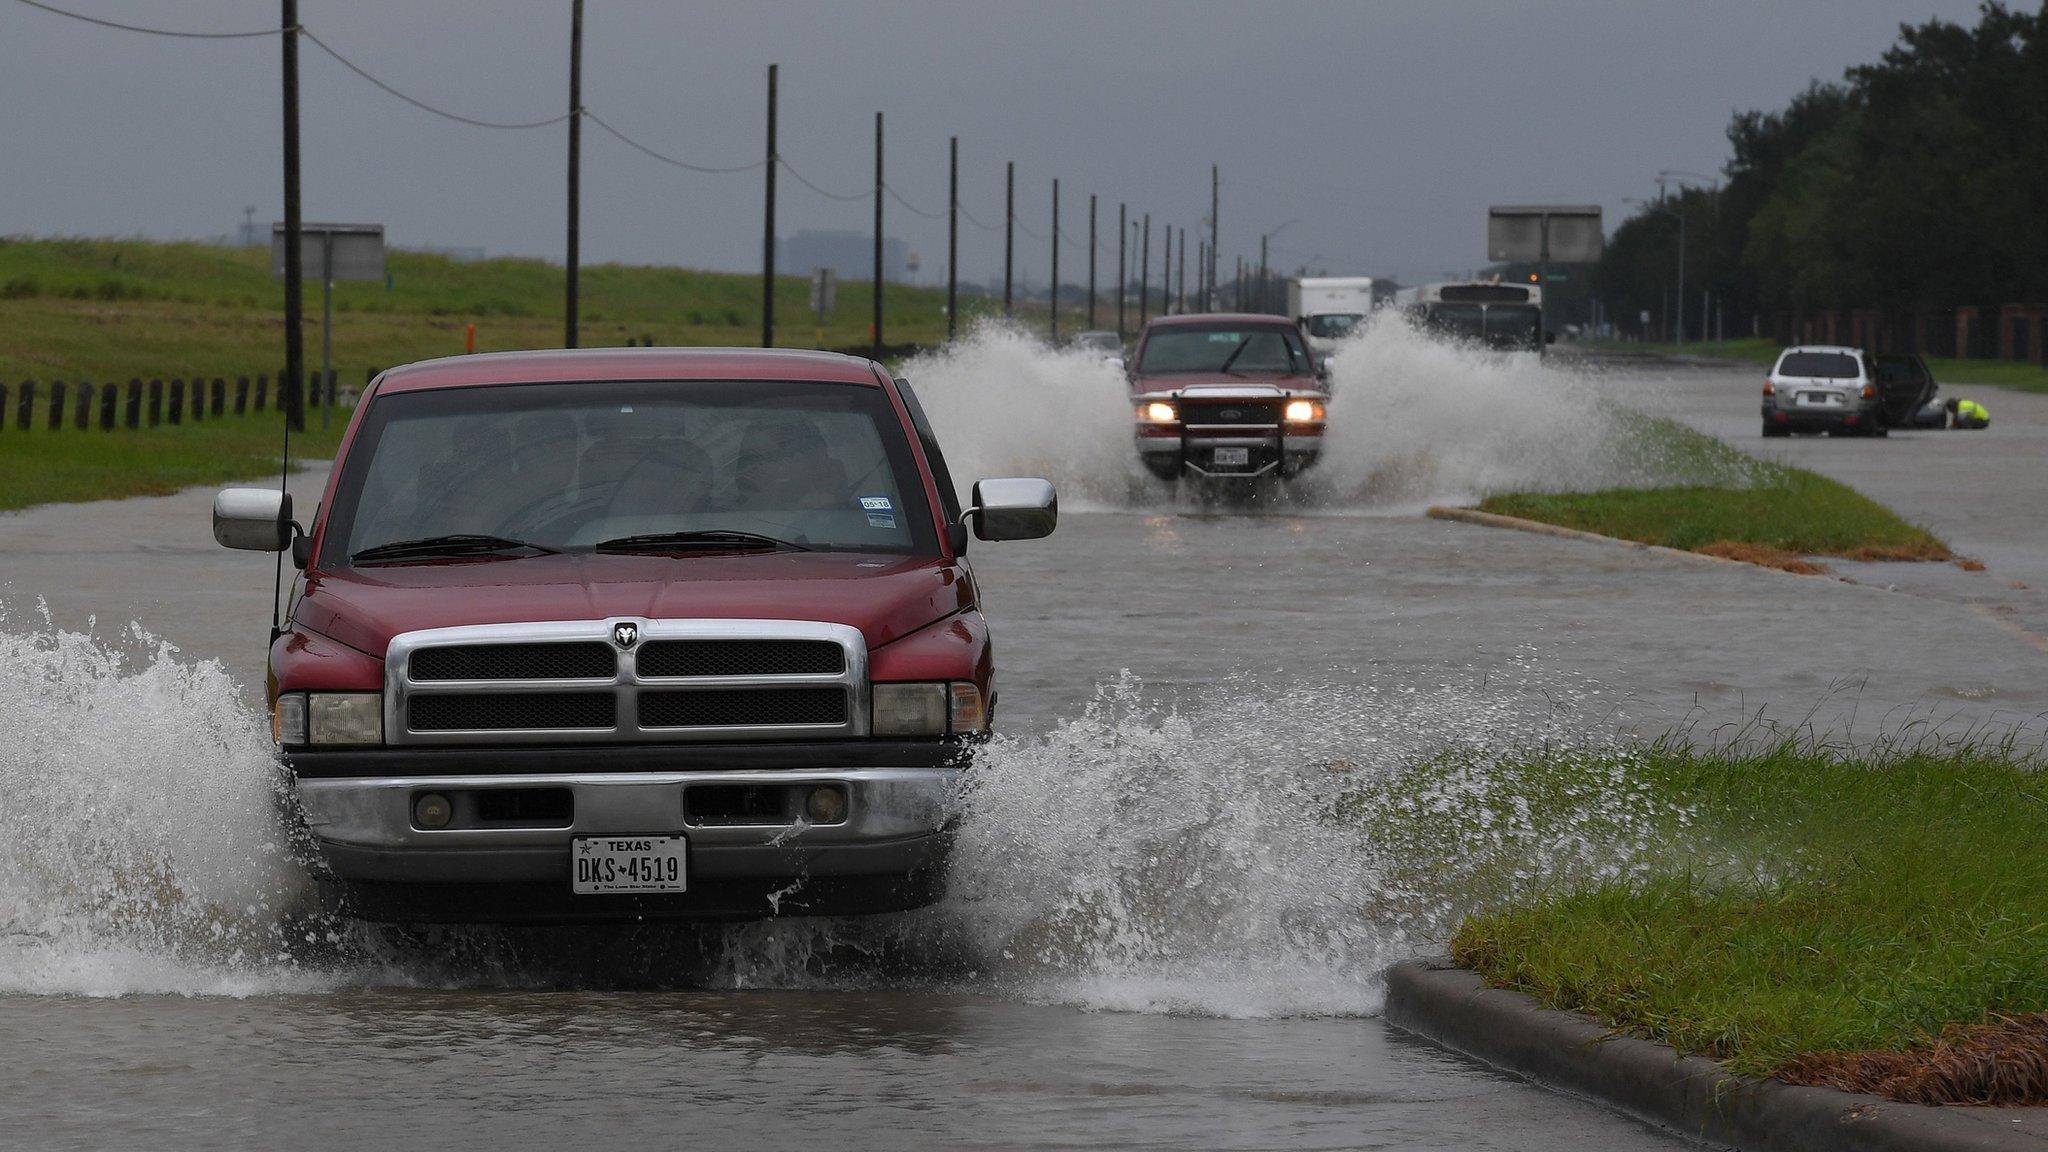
[(1212, 348), (564, 467), (1334, 325), (1462, 321)]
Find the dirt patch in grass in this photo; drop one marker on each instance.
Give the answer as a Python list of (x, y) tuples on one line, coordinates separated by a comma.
[(1928, 550), (1763, 555), (2003, 1062)]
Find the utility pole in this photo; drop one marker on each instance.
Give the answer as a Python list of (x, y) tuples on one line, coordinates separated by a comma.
[(768, 225), (1055, 260), (1215, 202), (953, 242), (1122, 261), (1265, 288), (1091, 260), (294, 270), (1145, 274), (1201, 263), (571, 257), (1181, 288), (1166, 272), (1009, 229), (877, 322)]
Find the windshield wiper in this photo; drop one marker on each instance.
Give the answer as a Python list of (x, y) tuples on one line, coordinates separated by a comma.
[(454, 544), (702, 538), (1234, 354)]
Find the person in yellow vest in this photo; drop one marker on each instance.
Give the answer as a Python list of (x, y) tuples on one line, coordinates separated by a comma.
[(1967, 414)]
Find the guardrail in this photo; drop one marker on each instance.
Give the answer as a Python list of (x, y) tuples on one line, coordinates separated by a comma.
[(139, 404)]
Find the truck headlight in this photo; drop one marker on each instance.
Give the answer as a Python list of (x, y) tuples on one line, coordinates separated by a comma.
[(1158, 413), (328, 718), (1303, 411), (928, 709)]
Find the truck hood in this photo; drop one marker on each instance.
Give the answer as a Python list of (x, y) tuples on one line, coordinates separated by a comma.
[(886, 597), (1225, 386)]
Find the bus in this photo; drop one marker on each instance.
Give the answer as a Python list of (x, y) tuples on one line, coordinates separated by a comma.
[(1507, 317)]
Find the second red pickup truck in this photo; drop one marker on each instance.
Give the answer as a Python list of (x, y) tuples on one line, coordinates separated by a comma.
[(1226, 396)]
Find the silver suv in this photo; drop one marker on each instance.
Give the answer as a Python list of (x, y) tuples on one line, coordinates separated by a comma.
[(1823, 388)]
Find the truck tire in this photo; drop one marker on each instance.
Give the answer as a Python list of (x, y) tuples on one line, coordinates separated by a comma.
[(1774, 430)]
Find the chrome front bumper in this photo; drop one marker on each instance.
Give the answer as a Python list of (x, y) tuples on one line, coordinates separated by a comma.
[(364, 828)]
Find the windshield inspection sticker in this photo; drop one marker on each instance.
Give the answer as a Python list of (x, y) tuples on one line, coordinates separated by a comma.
[(876, 504)]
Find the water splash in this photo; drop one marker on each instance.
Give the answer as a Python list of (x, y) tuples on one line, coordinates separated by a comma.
[(1414, 420), (142, 848), (1252, 849)]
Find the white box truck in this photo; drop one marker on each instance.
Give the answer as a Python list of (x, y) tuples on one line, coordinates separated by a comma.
[(1329, 308)]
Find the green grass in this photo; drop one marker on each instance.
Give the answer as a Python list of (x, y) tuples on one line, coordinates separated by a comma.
[(1947, 370), (1755, 510), (41, 467), (1821, 901), (114, 309)]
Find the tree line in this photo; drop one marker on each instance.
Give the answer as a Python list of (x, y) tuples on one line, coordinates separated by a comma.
[(1916, 182)]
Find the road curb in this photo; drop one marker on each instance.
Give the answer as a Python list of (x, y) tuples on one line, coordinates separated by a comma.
[(1688, 1094), (1538, 527)]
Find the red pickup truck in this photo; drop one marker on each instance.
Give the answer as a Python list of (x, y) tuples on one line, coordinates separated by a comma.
[(1226, 397), (629, 633)]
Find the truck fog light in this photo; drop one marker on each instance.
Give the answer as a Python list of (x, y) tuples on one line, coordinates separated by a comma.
[(909, 710), (825, 806), (432, 810), (968, 712), (344, 718)]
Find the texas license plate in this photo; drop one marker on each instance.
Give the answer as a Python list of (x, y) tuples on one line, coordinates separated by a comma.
[(614, 864), (1233, 457), (1819, 399)]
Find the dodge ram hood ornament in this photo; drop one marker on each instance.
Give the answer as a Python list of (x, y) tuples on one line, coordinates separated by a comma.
[(625, 634)]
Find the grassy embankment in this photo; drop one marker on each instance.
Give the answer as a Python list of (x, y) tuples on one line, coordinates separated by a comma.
[(1827, 919), (1947, 371), (1764, 512), (111, 310)]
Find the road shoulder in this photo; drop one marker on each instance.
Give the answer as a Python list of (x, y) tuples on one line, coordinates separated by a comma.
[(1689, 1094)]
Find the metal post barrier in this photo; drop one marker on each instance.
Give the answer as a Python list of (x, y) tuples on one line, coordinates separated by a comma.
[(56, 415), (177, 401), (82, 419), (220, 396), (25, 405), (109, 397), (156, 402), (241, 395)]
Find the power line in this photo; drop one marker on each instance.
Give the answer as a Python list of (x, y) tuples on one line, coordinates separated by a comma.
[(913, 209), (799, 177), (665, 158), (147, 30), (421, 104), (969, 217)]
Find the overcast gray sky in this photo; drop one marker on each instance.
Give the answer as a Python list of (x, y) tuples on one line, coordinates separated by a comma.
[(1383, 128)]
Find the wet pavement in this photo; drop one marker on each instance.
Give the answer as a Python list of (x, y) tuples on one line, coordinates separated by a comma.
[(1185, 601)]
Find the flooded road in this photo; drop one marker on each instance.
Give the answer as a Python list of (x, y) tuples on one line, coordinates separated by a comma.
[(1152, 943)]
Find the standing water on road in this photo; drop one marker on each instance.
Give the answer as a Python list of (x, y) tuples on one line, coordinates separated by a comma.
[(1224, 857)]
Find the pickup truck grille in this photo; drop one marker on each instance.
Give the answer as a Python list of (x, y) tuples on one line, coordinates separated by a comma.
[(631, 680), (743, 707), (589, 660), (512, 711), (741, 658), (1236, 413)]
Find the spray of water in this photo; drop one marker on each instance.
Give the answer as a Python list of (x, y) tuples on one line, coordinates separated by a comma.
[(1414, 420), (142, 849), (1260, 850)]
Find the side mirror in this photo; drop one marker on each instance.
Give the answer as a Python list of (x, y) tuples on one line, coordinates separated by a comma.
[(1016, 508), (253, 519)]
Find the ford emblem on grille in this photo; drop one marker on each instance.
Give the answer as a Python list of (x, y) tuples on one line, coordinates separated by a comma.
[(625, 634), (1231, 413)]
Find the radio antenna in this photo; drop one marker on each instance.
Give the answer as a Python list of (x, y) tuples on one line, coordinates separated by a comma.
[(283, 478)]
